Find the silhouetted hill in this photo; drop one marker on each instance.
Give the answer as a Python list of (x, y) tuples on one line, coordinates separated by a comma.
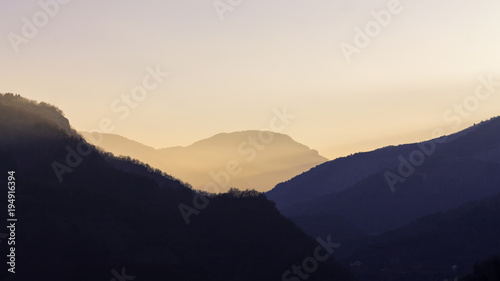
[(318, 225), (341, 173), (260, 159), (119, 145), (31, 117), (465, 167), (110, 216), (428, 248), (334, 176)]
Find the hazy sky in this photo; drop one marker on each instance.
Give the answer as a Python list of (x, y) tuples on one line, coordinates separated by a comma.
[(229, 75)]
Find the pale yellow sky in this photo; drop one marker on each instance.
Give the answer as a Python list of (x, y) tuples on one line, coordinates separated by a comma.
[(229, 75)]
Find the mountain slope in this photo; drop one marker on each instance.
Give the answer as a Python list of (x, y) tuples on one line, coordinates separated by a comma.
[(30, 113), (334, 176), (111, 216), (246, 160), (429, 247), (319, 225), (465, 167)]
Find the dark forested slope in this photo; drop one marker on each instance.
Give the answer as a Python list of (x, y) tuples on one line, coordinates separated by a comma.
[(106, 216)]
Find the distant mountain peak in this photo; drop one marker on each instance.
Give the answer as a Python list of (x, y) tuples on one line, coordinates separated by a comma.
[(261, 158)]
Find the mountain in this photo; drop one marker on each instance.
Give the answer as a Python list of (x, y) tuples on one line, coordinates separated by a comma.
[(334, 176), (246, 160), (83, 214), (423, 211), (30, 113), (381, 190), (318, 225), (440, 246)]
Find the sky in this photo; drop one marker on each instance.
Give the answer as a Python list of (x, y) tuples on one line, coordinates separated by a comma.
[(232, 64)]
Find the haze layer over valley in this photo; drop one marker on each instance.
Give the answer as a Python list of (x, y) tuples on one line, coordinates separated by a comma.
[(246, 160)]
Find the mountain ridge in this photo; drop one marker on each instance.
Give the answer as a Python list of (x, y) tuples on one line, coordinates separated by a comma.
[(113, 215), (276, 194), (360, 192), (458, 237), (264, 158)]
